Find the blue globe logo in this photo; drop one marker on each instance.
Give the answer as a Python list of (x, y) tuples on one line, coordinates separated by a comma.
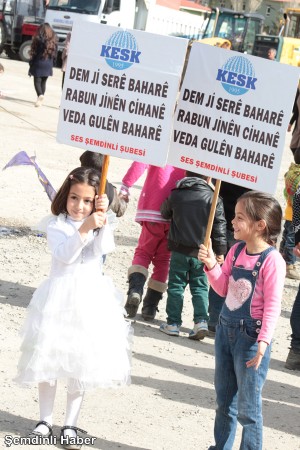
[(238, 65), (121, 40)]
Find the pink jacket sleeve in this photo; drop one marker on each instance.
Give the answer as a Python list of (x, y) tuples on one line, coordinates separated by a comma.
[(273, 273), (134, 172)]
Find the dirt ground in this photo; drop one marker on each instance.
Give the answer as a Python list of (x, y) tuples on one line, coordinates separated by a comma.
[(170, 403)]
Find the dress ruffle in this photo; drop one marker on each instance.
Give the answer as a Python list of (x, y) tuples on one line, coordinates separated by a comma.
[(75, 329)]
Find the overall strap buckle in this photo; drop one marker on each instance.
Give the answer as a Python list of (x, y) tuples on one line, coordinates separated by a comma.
[(242, 325)]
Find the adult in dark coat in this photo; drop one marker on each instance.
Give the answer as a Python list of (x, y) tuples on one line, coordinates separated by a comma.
[(293, 359), (295, 141), (43, 53)]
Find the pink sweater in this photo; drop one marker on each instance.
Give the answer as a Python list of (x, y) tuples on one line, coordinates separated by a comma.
[(266, 300), (157, 187)]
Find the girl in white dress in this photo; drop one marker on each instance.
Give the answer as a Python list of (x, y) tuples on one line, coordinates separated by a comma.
[(68, 330)]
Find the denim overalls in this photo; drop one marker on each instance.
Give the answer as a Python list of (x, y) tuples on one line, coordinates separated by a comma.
[(238, 388)]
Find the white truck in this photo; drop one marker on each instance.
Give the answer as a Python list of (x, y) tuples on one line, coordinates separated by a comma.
[(138, 14)]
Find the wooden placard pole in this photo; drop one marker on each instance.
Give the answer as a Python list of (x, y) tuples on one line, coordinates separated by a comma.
[(104, 171), (212, 213)]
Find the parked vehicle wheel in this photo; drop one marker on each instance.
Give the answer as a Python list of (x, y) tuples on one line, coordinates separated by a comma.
[(2, 38), (24, 51)]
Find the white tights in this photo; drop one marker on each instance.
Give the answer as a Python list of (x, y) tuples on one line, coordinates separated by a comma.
[(46, 401)]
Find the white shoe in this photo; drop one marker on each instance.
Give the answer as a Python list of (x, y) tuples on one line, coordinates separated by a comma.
[(39, 101), (199, 331), (292, 272), (171, 330)]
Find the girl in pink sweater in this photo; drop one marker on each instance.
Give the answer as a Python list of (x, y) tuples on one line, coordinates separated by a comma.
[(252, 279), (152, 244)]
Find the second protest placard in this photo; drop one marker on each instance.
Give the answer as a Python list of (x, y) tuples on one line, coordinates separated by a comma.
[(232, 117)]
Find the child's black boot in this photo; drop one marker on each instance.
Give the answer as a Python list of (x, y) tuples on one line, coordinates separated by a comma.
[(135, 293), (150, 303), (293, 360)]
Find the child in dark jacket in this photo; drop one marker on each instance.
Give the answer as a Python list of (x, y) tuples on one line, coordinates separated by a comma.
[(188, 207)]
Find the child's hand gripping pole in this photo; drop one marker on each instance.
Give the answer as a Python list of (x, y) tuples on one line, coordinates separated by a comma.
[(212, 213), (104, 171)]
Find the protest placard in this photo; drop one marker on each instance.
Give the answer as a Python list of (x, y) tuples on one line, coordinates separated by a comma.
[(120, 92), (232, 117)]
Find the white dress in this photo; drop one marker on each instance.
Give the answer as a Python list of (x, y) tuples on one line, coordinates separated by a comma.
[(75, 327)]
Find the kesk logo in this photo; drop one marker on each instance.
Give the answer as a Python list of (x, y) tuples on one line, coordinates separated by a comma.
[(237, 76), (121, 50)]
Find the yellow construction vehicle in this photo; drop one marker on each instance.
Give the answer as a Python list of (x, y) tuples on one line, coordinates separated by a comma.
[(286, 44), (239, 28)]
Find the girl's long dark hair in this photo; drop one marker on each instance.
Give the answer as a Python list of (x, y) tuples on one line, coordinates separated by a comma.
[(45, 37), (79, 175), (262, 206)]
